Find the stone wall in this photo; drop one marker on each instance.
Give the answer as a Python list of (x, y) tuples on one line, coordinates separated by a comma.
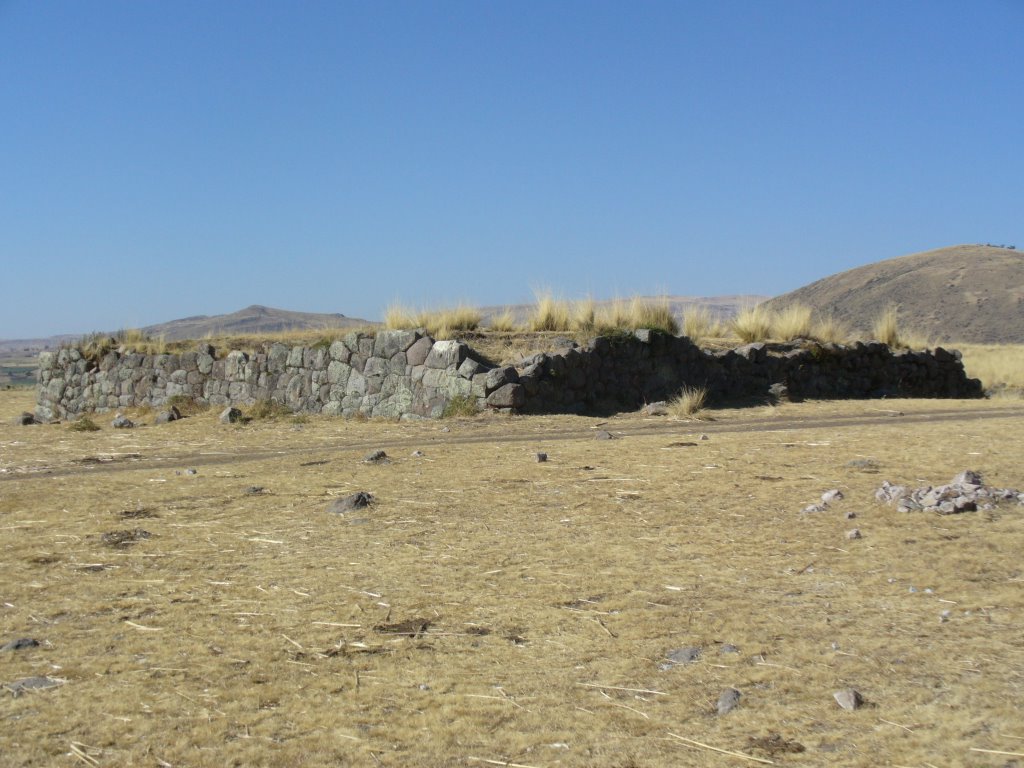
[(407, 374)]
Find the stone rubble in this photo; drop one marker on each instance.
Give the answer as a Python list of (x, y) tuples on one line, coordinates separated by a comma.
[(965, 493)]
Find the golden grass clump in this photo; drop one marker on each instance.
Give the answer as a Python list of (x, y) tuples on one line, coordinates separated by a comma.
[(752, 324), (793, 322), (886, 327), (828, 329), (698, 324), (399, 317), (613, 316), (550, 313), (656, 315), (584, 315), (689, 403), (439, 323), (503, 322)]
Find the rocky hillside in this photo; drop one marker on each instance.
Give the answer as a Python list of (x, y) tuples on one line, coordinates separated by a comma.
[(967, 293), (252, 320)]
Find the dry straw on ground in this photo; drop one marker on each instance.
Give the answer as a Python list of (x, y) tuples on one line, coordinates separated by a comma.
[(489, 609)]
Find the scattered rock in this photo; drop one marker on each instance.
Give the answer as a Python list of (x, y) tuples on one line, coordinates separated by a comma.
[(377, 457), (26, 419), (779, 391), (854, 534), (230, 416), (122, 422), (359, 500), (18, 687), (704, 437), (603, 435), (811, 509), (968, 476), (728, 648), (541, 458), (850, 515), (659, 408), (728, 701), (849, 699), (864, 465), (165, 417), (686, 655), (125, 538), (829, 496), (417, 454), (774, 744), (20, 644), (254, 490), (409, 628)]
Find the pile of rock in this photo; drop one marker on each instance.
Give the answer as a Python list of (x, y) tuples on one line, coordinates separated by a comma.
[(966, 493)]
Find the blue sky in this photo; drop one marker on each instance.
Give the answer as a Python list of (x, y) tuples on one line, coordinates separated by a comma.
[(159, 160)]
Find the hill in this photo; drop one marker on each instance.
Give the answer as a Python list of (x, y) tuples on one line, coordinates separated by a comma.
[(252, 320), (966, 293)]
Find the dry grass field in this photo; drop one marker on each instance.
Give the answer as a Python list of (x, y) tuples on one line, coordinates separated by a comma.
[(490, 609)]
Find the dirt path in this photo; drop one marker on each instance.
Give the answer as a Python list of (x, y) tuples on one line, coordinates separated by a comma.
[(489, 433)]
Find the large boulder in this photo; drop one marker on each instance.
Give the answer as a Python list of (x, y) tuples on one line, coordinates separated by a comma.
[(507, 396)]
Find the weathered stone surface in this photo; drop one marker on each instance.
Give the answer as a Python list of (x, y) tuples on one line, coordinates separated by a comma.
[(20, 644), (230, 416), (122, 422), (446, 354), (470, 368), (26, 419), (418, 352), (165, 417), (499, 377), (849, 699), (728, 701), (508, 396)]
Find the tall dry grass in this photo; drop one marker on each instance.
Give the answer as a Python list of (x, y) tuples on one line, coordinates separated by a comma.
[(752, 324), (830, 330), (886, 327), (793, 322), (699, 324), (439, 323), (550, 313), (999, 366), (655, 314), (503, 322)]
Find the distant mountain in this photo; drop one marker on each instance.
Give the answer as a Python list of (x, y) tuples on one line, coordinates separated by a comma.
[(250, 321), (970, 293)]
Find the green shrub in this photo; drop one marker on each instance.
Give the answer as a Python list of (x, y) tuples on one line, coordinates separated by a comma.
[(460, 405), (84, 424), (269, 409)]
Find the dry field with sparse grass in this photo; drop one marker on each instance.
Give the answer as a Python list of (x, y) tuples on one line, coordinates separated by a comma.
[(489, 609)]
